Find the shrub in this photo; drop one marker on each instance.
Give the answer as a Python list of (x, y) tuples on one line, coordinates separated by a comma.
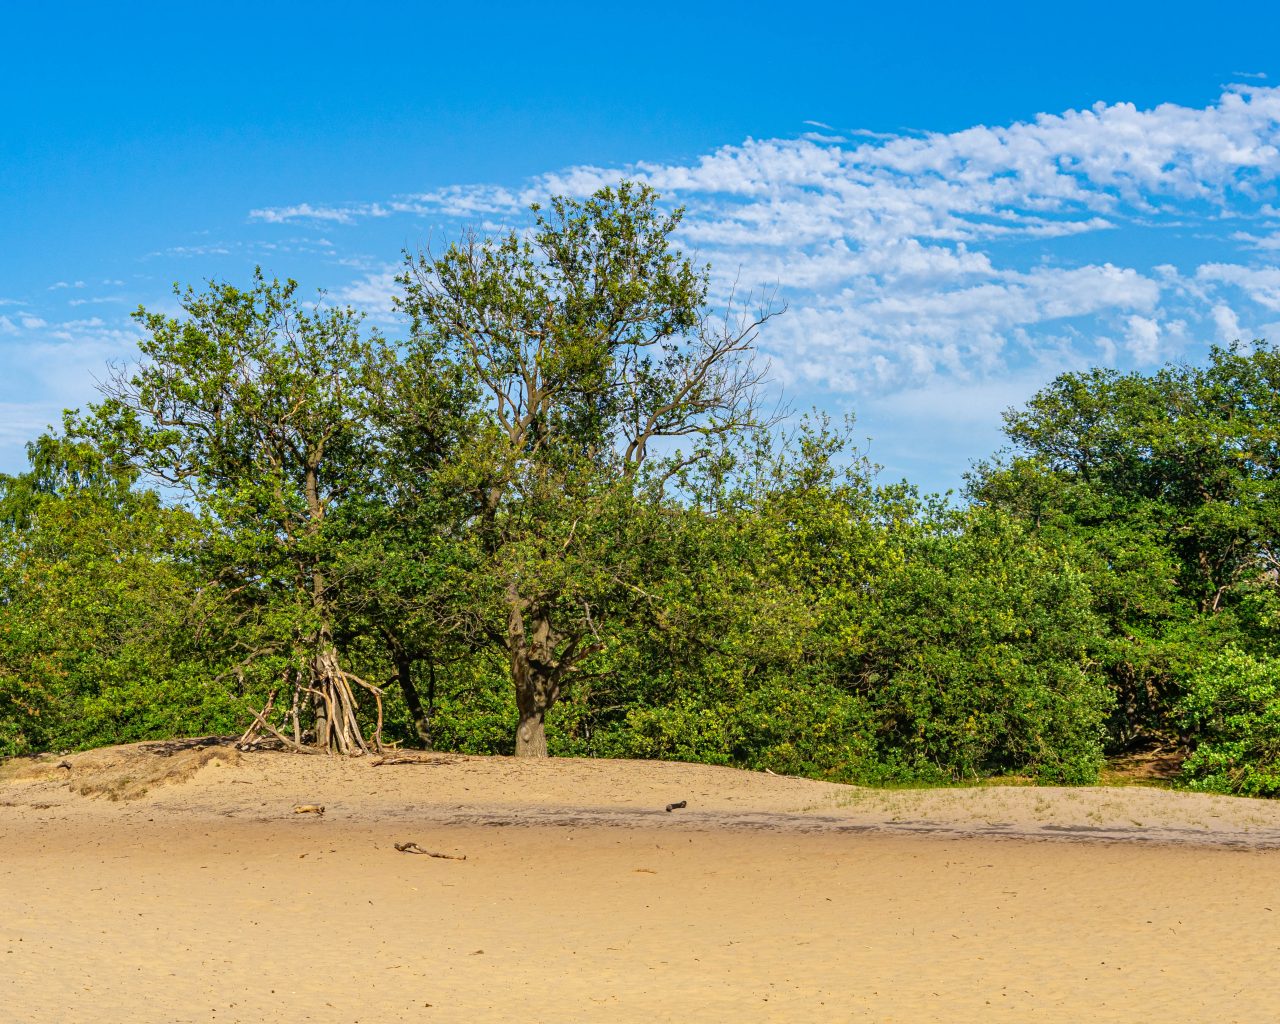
[(1232, 708)]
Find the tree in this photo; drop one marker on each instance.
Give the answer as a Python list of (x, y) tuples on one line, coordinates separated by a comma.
[(897, 638), (264, 414), (1167, 489), (762, 603), (96, 644), (590, 345), (1196, 447)]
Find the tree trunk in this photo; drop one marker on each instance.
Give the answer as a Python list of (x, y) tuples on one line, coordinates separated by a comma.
[(404, 675), (536, 689), (531, 733), (532, 702), (333, 701), (534, 671), (320, 709)]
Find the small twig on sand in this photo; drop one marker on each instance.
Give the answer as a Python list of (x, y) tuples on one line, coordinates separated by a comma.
[(676, 807), (309, 809), (415, 848)]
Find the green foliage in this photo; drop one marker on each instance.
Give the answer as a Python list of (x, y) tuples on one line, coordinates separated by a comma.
[(96, 642), (269, 417), (817, 731), (979, 654), (1165, 489), (1232, 708), (561, 480)]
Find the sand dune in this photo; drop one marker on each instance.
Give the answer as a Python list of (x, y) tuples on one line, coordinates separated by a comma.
[(167, 884)]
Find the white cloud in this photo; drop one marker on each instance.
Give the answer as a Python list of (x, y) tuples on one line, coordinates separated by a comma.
[(1260, 284), (334, 214), (1264, 243), (211, 249), (933, 256), (21, 422), (97, 301), (946, 264), (373, 293), (50, 366), (1143, 340), (1227, 323)]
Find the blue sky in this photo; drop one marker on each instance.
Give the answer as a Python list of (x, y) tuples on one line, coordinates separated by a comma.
[(957, 202)]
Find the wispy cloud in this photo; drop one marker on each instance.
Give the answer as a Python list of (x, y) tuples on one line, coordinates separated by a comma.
[(926, 272), (374, 293), (1259, 284), (48, 364), (334, 214), (913, 258), (98, 300)]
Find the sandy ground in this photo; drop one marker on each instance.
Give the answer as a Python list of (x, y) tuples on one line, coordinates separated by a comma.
[(158, 884)]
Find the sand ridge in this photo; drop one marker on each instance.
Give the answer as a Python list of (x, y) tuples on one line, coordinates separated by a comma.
[(208, 778)]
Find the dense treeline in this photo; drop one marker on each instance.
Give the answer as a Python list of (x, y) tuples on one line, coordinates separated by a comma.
[(554, 518)]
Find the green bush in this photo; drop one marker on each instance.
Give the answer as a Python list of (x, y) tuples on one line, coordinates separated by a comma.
[(976, 658), (816, 731), (1232, 708)]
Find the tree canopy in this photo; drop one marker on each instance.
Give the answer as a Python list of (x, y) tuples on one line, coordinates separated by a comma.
[(551, 516)]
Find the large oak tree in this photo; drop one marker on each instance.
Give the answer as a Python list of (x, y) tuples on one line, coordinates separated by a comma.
[(600, 372)]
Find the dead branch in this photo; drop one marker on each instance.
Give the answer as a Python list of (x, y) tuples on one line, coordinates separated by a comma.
[(259, 719), (415, 848), (289, 744)]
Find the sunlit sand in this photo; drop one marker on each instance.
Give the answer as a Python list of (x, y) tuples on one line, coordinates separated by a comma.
[(172, 884)]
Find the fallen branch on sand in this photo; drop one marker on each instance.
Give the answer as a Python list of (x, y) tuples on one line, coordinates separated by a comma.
[(309, 809), (677, 806), (415, 848), (412, 760)]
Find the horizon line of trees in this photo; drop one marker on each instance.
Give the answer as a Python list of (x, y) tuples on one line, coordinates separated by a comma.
[(555, 518)]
